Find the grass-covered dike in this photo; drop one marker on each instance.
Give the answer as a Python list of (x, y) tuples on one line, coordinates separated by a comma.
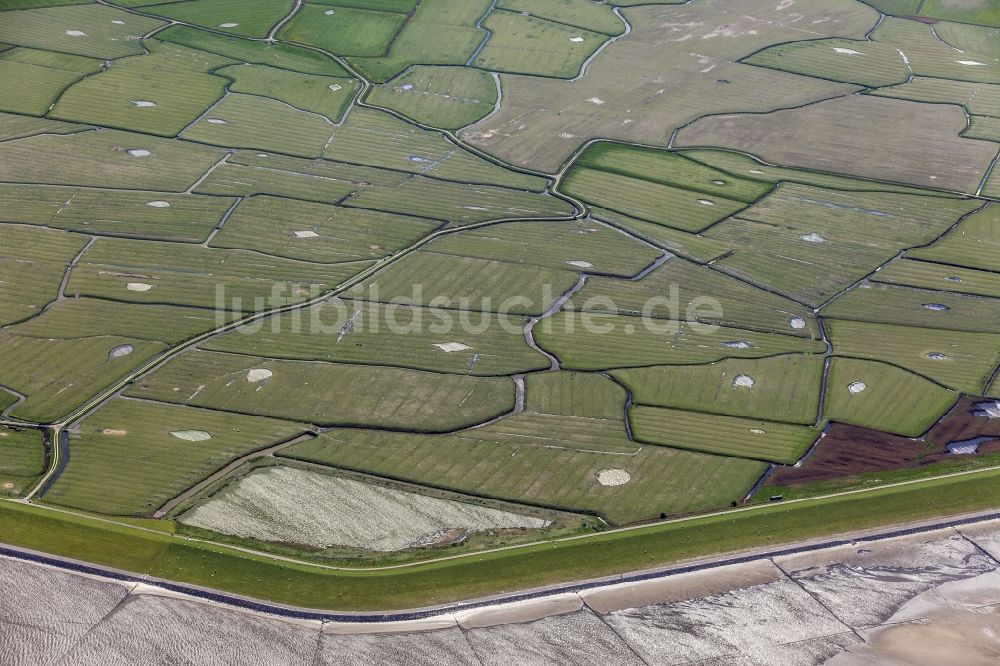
[(605, 554)]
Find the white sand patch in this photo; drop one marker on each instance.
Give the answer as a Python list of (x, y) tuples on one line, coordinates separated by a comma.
[(113, 432), (258, 375), (479, 208), (139, 152), (580, 264), (191, 435), (143, 104), (451, 346), (937, 307), (738, 344), (228, 25), (812, 238), (756, 172), (758, 431), (335, 87), (576, 40), (305, 234), (120, 351), (798, 323), (856, 387), (220, 121), (76, 33), (839, 49), (989, 410), (744, 381), (158, 204), (971, 63), (261, 154), (938, 356), (329, 12), (718, 182), (595, 100), (566, 135), (613, 477), (706, 202), (117, 22), (139, 286), (288, 505)]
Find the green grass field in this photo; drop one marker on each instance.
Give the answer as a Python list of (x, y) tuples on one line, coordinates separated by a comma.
[(125, 460), (344, 31), (683, 291), (251, 18), (23, 460), (783, 388), (200, 277), (515, 460), (313, 392), (959, 360), (600, 341), (102, 159), (133, 214), (446, 97), (884, 397), (723, 435), (280, 55), (529, 45), (318, 232), (356, 332), (32, 264), (160, 93), (326, 95)]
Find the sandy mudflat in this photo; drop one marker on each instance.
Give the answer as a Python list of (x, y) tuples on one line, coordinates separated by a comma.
[(927, 599)]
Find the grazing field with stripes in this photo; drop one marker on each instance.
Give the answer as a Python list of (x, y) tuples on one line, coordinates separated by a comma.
[(594, 263)]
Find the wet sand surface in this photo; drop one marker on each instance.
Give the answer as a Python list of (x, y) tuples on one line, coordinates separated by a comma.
[(931, 598)]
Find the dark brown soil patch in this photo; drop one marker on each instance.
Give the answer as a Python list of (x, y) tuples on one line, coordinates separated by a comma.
[(851, 450)]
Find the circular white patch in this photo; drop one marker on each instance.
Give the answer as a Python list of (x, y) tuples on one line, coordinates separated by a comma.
[(191, 435), (856, 387), (258, 375), (613, 477), (158, 204), (798, 323), (452, 346), (139, 152), (745, 381), (138, 286), (120, 350)]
